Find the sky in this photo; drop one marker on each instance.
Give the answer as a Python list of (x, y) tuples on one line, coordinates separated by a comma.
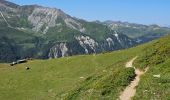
[(134, 11)]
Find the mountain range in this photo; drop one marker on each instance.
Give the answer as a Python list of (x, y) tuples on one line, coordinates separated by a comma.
[(33, 31), (141, 71), (92, 77)]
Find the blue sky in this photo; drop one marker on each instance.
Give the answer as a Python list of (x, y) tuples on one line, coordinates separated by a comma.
[(136, 11)]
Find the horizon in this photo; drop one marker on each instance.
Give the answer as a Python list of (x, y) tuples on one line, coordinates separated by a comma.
[(146, 12)]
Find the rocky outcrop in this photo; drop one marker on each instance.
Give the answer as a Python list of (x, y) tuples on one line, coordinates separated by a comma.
[(110, 41), (43, 18), (62, 36), (87, 43), (70, 22), (59, 50)]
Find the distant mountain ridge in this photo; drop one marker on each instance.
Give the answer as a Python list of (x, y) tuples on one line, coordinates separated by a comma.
[(139, 32), (42, 32)]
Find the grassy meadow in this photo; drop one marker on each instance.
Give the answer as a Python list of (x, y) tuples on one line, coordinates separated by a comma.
[(87, 77), (157, 58)]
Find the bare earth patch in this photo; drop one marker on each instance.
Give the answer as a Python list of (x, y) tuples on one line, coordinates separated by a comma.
[(130, 90)]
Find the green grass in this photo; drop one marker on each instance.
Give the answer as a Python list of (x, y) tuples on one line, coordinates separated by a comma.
[(88, 77), (47, 79), (157, 58), (104, 85), (151, 88)]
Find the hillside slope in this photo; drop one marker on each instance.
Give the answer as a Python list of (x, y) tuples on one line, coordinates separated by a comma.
[(155, 84), (49, 79), (53, 33), (101, 76)]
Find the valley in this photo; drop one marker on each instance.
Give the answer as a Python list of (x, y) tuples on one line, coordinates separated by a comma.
[(42, 33)]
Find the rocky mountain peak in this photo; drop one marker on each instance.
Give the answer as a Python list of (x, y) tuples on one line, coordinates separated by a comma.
[(38, 18), (4, 3), (44, 17)]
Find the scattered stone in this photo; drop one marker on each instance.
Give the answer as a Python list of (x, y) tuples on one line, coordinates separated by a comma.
[(104, 71), (82, 77), (90, 90), (157, 76)]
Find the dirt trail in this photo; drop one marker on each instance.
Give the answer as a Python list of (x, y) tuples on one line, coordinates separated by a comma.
[(130, 63), (130, 90)]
